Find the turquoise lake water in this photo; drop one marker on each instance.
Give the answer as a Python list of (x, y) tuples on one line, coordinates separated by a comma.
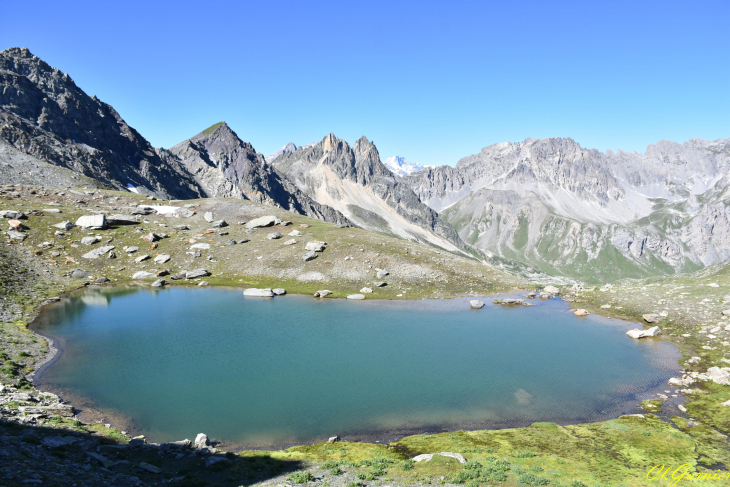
[(263, 372)]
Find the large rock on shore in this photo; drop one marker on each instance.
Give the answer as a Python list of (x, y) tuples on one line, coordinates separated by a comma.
[(196, 273), (651, 332), (652, 318), (261, 293), (476, 304)]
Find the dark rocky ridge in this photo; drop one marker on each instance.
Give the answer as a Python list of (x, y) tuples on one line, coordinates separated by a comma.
[(45, 115)]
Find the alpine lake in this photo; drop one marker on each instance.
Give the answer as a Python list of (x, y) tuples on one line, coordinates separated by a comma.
[(274, 372)]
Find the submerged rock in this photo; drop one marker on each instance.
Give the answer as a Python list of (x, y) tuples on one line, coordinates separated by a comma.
[(581, 312)]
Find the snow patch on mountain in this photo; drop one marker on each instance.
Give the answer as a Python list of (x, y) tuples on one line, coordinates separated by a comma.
[(400, 166)]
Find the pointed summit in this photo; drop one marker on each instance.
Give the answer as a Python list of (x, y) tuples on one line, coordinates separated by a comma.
[(290, 147)]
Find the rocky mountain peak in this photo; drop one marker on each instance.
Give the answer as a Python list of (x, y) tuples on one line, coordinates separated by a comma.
[(290, 147)]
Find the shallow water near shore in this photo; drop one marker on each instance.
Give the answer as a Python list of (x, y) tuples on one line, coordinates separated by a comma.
[(260, 372)]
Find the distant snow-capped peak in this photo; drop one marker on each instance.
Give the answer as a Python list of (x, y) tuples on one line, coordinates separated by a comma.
[(401, 167)]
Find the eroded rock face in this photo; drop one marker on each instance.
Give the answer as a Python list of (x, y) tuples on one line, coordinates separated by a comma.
[(580, 209), (354, 181)]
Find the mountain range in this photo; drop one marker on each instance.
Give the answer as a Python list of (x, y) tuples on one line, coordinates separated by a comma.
[(535, 207)]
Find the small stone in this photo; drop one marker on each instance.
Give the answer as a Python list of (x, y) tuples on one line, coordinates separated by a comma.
[(315, 246), (290, 242), (382, 273), (143, 275), (309, 256), (208, 216), (150, 468), (366, 290), (142, 258), (274, 236), (162, 258)]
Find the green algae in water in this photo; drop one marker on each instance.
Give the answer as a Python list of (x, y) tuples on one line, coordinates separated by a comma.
[(294, 369)]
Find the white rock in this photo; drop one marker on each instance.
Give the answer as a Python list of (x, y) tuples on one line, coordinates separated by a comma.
[(262, 293), (162, 258), (208, 216), (356, 296), (143, 275), (263, 221), (64, 225), (476, 304), (651, 332), (315, 246), (366, 290), (95, 222), (90, 240), (201, 441), (551, 290), (200, 246)]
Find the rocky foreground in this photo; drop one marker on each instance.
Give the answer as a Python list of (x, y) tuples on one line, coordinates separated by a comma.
[(61, 240)]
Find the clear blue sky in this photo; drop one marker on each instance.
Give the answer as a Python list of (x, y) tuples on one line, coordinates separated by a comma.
[(429, 81)]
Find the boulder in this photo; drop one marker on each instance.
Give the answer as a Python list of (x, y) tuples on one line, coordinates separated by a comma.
[(93, 222), (90, 240), (366, 290), (187, 213), (380, 284), (356, 297), (726, 312), (159, 283), (12, 214), (295, 233), (581, 312), (457, 456), (131, 249), (652, 318), (208, 215), (101, 280), (274, 236), (309, 256), (122, 220), (79, 274), (143, 275), (151, 237), (551, 290), (290, 242), (719, 375), (333, 439), (57, 441), (196, 273), (142, 258), (201, 441), (15, 235), (323, 293), (382, 273), (200, 246), (181, 227), (279, 291), (651, 332), (162, 258), (64, 225), (476, 304), (263, 221), (203, 284), (98, 252), (261, 293), (315, 246), (219, 224), (149, 468)]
